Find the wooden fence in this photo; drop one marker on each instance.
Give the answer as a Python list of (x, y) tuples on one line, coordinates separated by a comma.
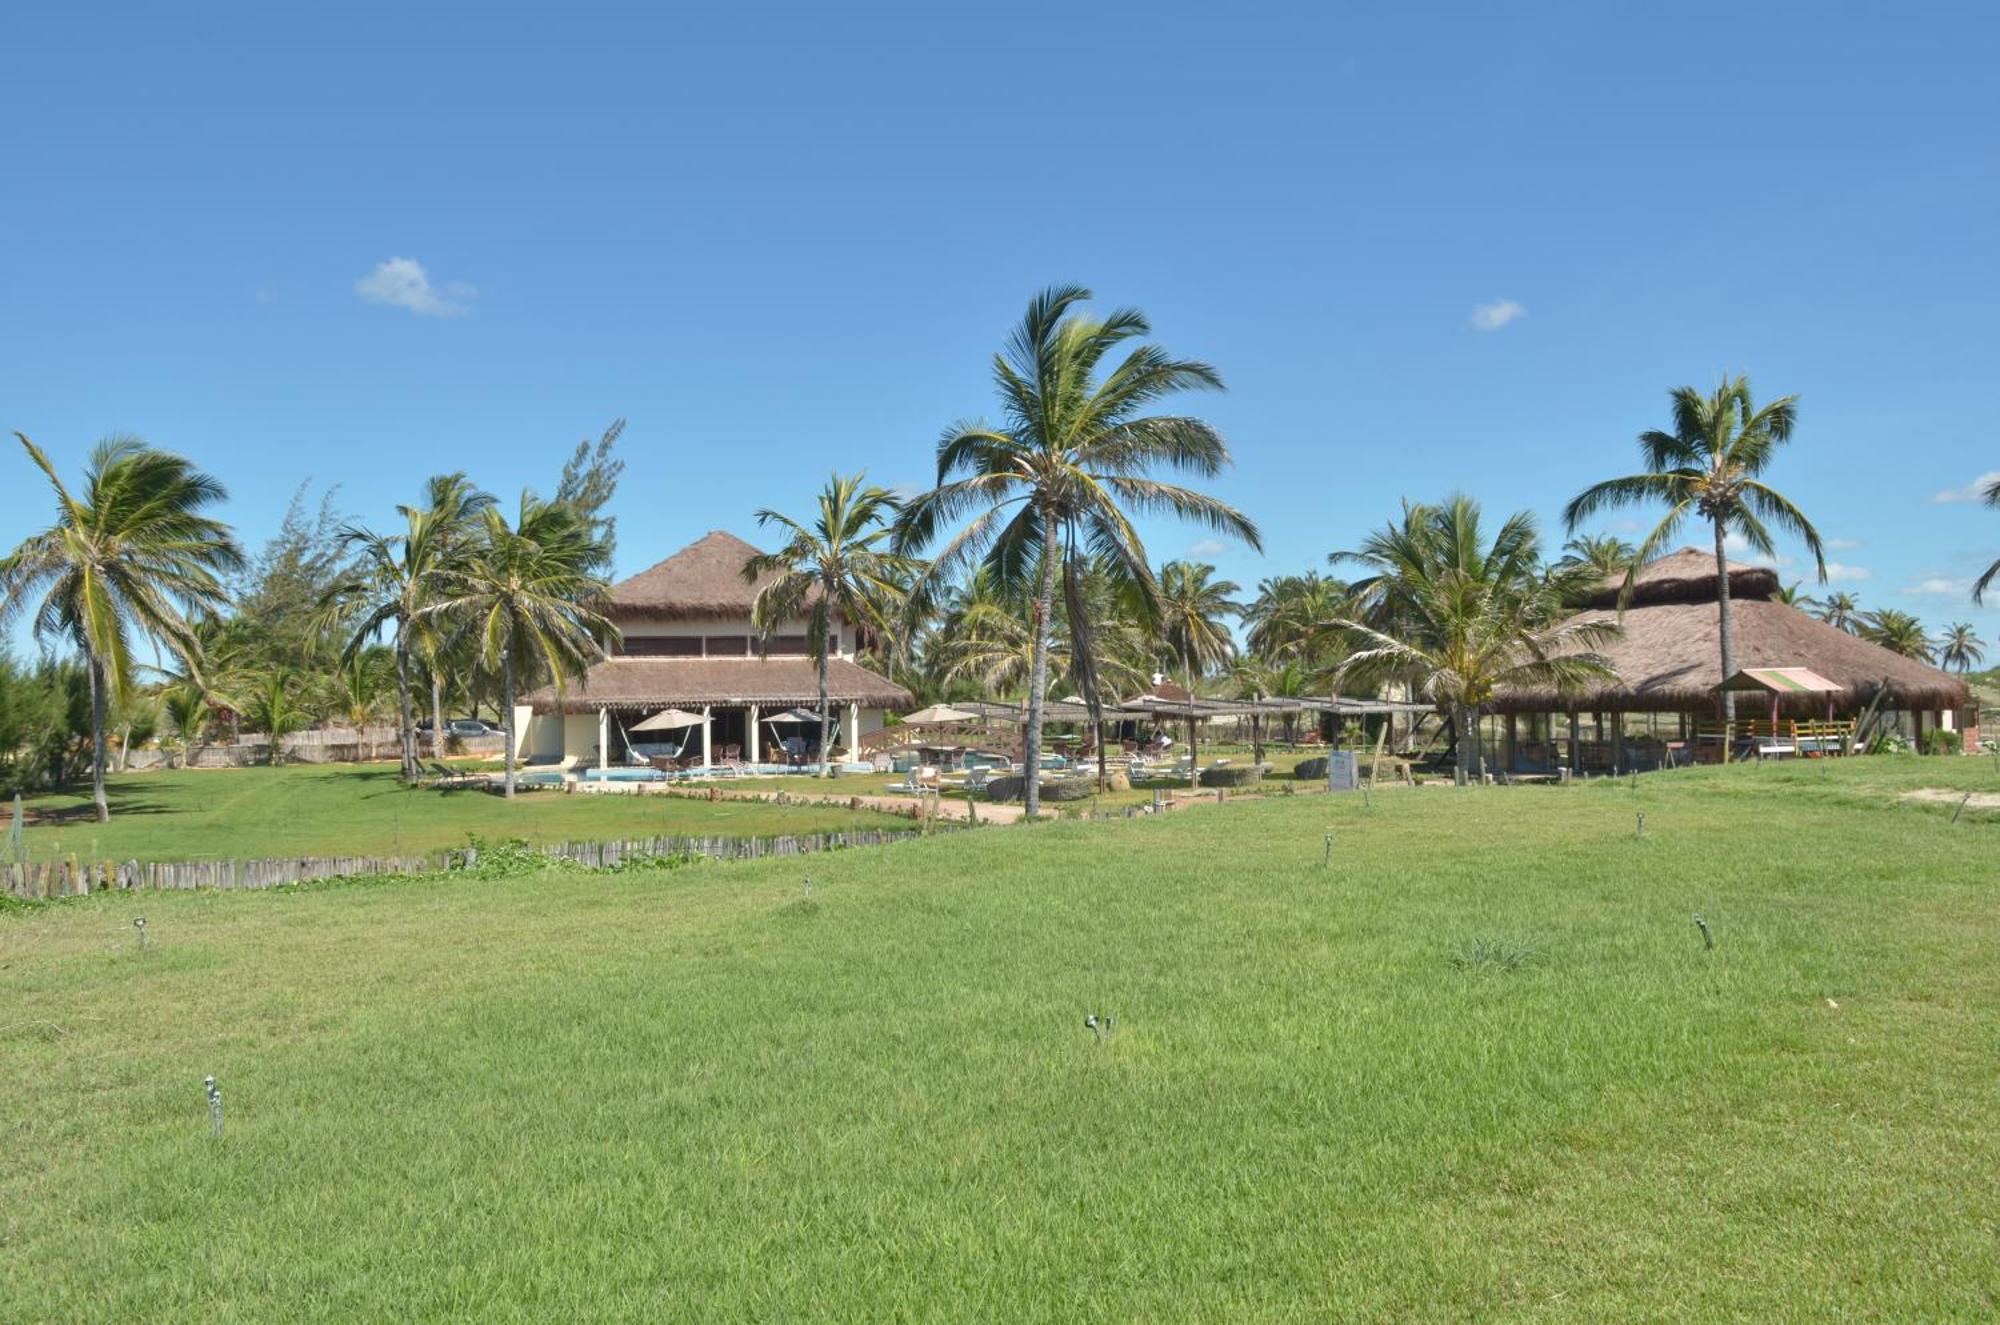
[(72, 877)]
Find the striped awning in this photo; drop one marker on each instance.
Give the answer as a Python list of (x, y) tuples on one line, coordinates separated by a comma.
[(1781, 681)]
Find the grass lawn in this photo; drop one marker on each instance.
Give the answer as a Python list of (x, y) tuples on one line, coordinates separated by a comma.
[(361, 809), (1481, 1067)]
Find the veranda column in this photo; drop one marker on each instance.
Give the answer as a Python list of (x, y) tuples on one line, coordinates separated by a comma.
[(707, 712), (756, 750), (854, 733), (603, 739)]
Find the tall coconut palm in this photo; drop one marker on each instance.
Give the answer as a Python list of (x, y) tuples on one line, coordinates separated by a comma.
[(1048, 490), (839, 565), (1959, 648), (1840, 610), (1287, 615), (134, 554), (1458, 617), (1193, 623), (527, 594), (1991, 496), (395, 582), (1898, 632), (1709, 466)]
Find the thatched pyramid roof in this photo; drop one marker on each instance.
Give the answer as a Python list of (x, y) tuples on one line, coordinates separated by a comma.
[(1669, 658), (703, 579)]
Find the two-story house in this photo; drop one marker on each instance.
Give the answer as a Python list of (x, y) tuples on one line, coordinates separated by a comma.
[(688, 644)]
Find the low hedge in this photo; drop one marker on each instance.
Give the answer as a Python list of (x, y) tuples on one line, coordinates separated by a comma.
[(1248, 775), (1010, 788)]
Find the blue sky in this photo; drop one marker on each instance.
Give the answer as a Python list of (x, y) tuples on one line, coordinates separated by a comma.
[(359, 246)]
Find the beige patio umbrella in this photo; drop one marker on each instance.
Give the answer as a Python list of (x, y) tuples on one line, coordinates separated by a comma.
[(667, 720), (938, 715)]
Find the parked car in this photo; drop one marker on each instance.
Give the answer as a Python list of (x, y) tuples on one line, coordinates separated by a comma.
[(462, 727)]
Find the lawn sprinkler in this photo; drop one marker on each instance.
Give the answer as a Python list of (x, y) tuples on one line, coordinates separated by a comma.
[(1642, 825), (1961, 807), (214, 1106), (1707, 939), (809, 887), (139, 923), (1100, 1025), (1326, 857)]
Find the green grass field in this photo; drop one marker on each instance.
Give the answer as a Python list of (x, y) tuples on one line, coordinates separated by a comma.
[(361, 809), (1479, 1067)]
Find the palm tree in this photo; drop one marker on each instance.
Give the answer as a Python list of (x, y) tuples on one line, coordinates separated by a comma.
[(1840, 610), (186, 708), (1459, 617), (527, 594), (1606, 554), (1959, 648), (275, 705), (1709, 466), (133, 554), (1898, 632), (1789, 595), (840, 566), (1992, 498), (397, 581), (1192, 625), (1286, 616), (1048, 490), (361, 689)]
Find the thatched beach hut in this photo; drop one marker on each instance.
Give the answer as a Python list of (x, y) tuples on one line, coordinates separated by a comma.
[(1669, 662)]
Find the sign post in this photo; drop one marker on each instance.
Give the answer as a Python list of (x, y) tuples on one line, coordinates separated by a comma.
[(1343, 771)]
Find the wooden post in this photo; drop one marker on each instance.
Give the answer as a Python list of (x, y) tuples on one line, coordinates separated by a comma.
[(1575, 756)]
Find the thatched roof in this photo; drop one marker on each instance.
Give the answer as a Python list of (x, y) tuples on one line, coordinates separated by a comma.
[(655, 683), (1669, 658), (1686, 576), (703, 579)]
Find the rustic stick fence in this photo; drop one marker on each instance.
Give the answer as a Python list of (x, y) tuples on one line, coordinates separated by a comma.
[(72, 877)]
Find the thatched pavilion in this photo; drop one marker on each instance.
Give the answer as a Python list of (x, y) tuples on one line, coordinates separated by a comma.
[(1669, 660)]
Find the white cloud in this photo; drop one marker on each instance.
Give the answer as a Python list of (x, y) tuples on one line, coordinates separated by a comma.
[(1938, 586), (1973, 491), (403, 283), (1208, 547), (1839, 572), (1493, 316), (1843, 544)]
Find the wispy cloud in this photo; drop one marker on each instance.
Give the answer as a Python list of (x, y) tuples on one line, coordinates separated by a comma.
[(1973, 491), (1938, 586), (403, 283), (1495, 315), (1843, 544), (1839, 572), (1207, 547)]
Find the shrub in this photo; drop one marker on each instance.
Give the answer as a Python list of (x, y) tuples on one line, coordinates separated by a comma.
[(1011, 787), (1311, 770), (1245, 775), (1943, 743)]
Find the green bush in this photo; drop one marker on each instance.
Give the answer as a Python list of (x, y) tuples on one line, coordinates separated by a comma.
[(1311, 770), (1245, 775), (1011, 787), (1943, 743)]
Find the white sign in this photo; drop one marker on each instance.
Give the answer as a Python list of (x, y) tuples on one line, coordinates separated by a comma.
[(1343, 771)]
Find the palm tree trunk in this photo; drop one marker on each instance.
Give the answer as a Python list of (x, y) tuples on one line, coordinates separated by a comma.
[(825, 715), (437, 715), (406, 736), (507, 689), (1038, 672), (1461, 722), (1728, 624), (97, 752)]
